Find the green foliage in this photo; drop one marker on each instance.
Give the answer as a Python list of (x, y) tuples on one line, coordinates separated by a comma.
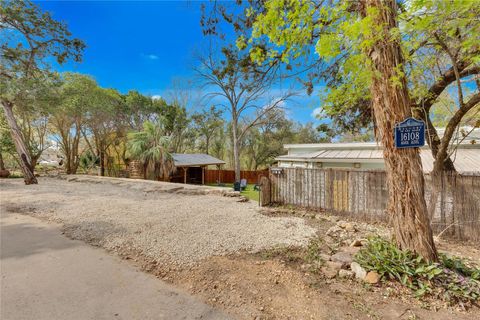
[(77, 92), (262, 144), (15, 175), (456, 263), (139, 109), (313, 251), (152, 146), (175, 122), (206, 124), (88, 160), (451, 279), (6, 142), (30, 39), (431, 34)]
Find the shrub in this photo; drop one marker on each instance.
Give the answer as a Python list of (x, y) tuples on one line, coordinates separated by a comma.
[(451, 279)]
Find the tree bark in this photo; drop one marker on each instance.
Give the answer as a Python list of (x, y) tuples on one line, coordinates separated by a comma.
[(236, 153), (102, 163), (145, 170), (72, 144), (2, 164), (25, 161), (156, 171), (391, 104)]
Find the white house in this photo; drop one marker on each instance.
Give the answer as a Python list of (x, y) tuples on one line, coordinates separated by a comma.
[(368, 155)]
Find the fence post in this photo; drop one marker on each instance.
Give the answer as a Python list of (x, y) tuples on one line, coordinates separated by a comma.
[(265, 194)]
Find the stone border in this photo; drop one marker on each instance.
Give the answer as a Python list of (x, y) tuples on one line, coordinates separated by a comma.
[(152, 186)]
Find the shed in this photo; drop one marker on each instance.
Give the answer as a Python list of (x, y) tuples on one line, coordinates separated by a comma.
[(191, 167)]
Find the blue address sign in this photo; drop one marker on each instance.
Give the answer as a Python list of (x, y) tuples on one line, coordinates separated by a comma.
[(410, 133)]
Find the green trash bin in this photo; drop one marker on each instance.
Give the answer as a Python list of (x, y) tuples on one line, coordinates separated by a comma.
[(236, 186)]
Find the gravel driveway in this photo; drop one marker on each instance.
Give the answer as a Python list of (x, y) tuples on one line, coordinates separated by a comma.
[(159, 221)]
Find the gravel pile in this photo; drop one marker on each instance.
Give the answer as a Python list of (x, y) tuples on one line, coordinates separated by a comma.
[(168, 226)]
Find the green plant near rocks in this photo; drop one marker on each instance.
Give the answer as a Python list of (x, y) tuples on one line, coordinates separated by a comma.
[(312, 254), (451, 279)]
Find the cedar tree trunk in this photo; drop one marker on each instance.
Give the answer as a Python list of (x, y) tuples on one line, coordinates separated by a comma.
[(25, 160), (391, 104)]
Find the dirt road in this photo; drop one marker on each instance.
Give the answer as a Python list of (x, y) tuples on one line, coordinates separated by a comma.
[(45, 275)]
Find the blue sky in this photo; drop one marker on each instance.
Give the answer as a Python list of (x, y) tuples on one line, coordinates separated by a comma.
[(143, 45)]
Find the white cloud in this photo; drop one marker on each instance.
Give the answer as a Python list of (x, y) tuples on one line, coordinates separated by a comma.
[(150, 56), (318, 113), (156, 97)]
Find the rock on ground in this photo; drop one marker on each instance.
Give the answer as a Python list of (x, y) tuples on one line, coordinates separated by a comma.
[(360, 273), (372, 277)]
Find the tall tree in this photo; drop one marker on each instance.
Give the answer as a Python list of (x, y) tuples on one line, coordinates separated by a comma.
[(243, 86), (77, 98), (207, 123), (239, 85), (101, 130), (29, 38), (391, 104), (367, 33)]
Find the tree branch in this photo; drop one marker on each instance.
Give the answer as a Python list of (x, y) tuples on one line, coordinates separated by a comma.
[(447, 78), (450, 129)]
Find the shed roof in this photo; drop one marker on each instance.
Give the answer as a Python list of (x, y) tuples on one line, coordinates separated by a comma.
[(196, 159)]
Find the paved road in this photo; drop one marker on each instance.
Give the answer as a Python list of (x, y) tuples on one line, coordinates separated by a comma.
[(45, 275)]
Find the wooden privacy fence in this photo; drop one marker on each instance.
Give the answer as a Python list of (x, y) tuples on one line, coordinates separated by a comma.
[(228, 176), (453, 200)]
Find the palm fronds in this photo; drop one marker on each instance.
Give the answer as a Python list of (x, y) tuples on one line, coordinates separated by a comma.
[(152, 146)]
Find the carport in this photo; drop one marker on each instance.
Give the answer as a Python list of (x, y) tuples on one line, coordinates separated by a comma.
[(191, 167)]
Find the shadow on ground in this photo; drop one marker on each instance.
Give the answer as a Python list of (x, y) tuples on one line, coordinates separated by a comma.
[(37, 241)]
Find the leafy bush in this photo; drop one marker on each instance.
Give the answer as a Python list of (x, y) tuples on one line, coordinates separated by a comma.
[(451, 279), (88, 160), (15, 175)]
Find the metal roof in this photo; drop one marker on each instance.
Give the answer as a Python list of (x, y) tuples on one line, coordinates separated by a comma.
[(196, 159), (466, 158), (338, 145)]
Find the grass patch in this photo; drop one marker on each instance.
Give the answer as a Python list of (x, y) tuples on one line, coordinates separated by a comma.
[(451, 279), (248, 192)]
